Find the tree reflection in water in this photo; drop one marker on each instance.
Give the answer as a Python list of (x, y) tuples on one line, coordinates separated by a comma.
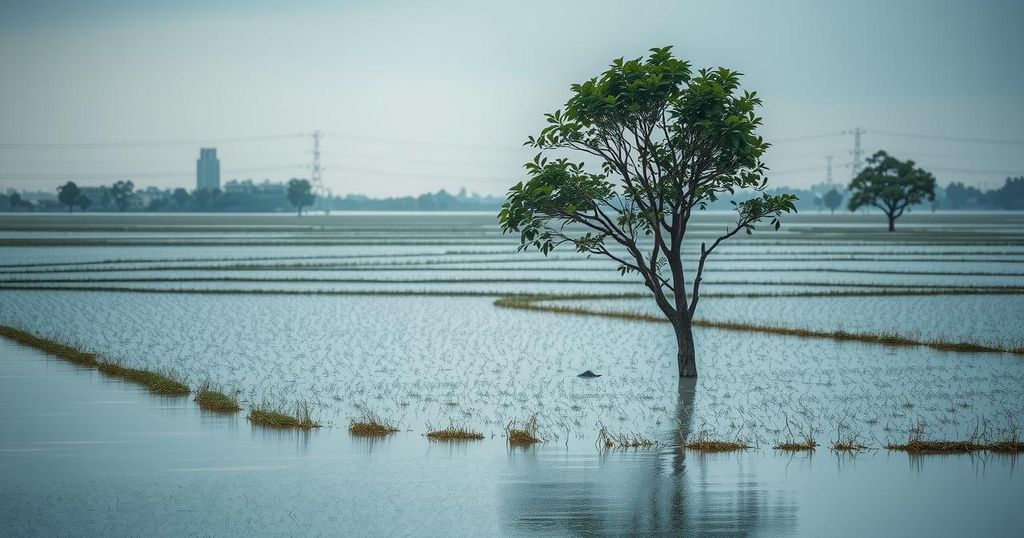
[(661, 490)]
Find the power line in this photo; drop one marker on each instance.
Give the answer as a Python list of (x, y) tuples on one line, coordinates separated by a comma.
[(422, 142), (148, 144), (949, 138)]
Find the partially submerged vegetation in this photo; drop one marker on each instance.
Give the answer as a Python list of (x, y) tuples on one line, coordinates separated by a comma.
[(455, 433), (808, 443), (847, 441), (891, 339), (608, 440), (371, 425), (523, 434), (918, 444), (53, 347), (214, 400), (166, 384), (271, 417), (705, 443)]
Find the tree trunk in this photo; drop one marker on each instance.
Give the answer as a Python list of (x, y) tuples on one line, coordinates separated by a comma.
[(892, 223), (300, 211), (686, 358)]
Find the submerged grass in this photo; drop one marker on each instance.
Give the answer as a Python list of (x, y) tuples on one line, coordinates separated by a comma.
[(918, 444), (890, 339), (847, 442), (808, 443), (525, 434), (608, 440), (268, 416), (157, 382), (214, 400), (455, 433), (705, 443), (371, 425), (53, 347)]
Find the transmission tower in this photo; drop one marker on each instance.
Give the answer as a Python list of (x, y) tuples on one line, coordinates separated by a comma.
[(314, 178), (857, 153), (829, 159)]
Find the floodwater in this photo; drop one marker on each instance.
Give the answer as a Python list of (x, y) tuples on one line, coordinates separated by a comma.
[(85, 455)]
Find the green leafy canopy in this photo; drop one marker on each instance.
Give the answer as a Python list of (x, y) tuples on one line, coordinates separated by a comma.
[(657, 142), (890, 185)]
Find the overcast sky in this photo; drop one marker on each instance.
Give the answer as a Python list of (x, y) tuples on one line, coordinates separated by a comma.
[(418, 96)]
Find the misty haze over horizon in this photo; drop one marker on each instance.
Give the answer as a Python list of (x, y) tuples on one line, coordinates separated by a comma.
[(416, 98)]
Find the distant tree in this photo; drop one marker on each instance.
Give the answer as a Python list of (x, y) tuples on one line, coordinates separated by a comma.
[(68, 195), (833, 199), (15, 201), (818, 203), (960, 196), (181, 197), (890, 185), (1011, 194), (203, 197), (669, 143), (300, 193), (156, 204), (84, 202), (121, 192)]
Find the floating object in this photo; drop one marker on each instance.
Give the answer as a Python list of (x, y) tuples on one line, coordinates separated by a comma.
[(588, 373)]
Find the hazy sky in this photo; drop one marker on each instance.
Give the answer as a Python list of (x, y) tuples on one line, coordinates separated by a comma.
[(417, 96)]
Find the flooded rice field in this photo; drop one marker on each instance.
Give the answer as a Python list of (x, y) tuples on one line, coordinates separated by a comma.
[(435, 320)]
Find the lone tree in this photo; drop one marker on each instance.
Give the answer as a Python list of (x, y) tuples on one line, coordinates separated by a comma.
[(122, 192), (669, 143), (833, 199), (68, 194), (890, 185), (300, 193)]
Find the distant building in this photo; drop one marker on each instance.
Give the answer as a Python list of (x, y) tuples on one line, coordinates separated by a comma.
[(207, 170)]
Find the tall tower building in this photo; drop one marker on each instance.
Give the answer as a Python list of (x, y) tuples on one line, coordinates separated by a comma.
[(208, 170)]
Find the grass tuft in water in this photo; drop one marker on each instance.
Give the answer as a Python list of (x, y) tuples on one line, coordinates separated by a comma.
[(157, 382), (53, 347), (808, 443), (917, 444), (214, 400), (608, 440), (704, 443), (270, 417), (526, 434), (371, 425), (455, 433), (848, 442)]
